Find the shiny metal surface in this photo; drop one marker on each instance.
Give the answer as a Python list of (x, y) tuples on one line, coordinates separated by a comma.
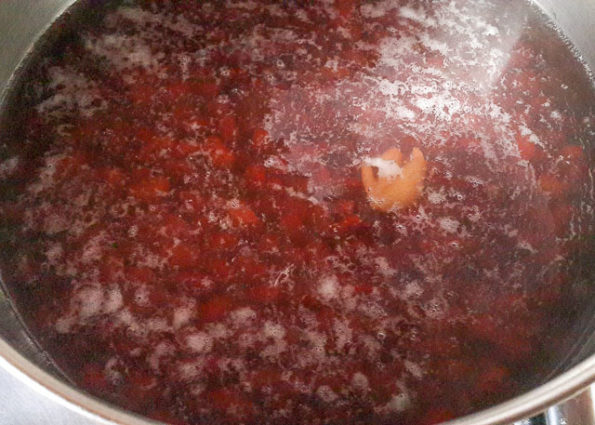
[(21, 24), (575, 18), (578, 410), (22, 404), (63, 394)]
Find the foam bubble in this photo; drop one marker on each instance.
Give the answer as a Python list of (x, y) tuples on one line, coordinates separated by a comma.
[(328, 287), (398, 403), (182, 315), (449, 224), (384, 267), (414, 369), (113, 300), (64, 324), (218, 330), (141, 295), (273, 330), (376, 10), (199, 342), (8, 167), (242, 316), (326, 394), (190, 370), (88, 301), (387, 169), (417, 15), (436, 197), (71, 92), (360, 381), (343, 333), (124, 52), (54, 253), (111, 371)]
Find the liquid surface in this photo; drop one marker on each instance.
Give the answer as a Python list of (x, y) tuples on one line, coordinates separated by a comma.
[(186, 229)]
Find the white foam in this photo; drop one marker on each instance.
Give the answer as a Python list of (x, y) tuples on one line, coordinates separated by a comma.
[(449, 224), (141, 295), (46, 174), (71, 92), (326, 394), (113, 300), (276, 10), (343, 333), (360, 381), (348, 298), (199, 342), (64, 324), (328, 287), (275, 162), (111, 371), (157, 325), (371, 344), (302, 15), (273, 330), (491, 30), (88, 301), (8, 167), (376, 9), (182, 315), (443, 106), (413, 289), (414, 369), (274, 349), (417, 15), (242, 316), (55, 223), (246, 4), (398, 403), (392, 51), (124, 52), (218, 330), (190, 370), (436, 197), (475, 215), (405, 113), (435, 308), (94, 248), (141, 18), (384, 267), (126, 319), (387, 169), (523, 244), (54, 253), (317, 342), (247, 340)]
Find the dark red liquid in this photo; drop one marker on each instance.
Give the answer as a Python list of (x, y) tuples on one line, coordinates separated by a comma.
[(195, 244)]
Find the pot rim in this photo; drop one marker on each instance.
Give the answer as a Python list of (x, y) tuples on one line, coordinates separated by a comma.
[(521, 407)]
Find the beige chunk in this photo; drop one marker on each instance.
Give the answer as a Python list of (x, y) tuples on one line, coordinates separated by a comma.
[(386, 193)]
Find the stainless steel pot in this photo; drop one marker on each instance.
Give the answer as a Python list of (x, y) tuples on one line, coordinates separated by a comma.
[(22, 22)]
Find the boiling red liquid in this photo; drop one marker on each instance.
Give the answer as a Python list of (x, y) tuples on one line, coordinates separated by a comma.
[(195, 243)]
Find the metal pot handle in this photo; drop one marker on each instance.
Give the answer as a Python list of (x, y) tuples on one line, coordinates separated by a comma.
[(579, 410)]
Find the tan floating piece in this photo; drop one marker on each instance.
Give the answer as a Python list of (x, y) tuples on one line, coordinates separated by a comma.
[(386, 193)]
